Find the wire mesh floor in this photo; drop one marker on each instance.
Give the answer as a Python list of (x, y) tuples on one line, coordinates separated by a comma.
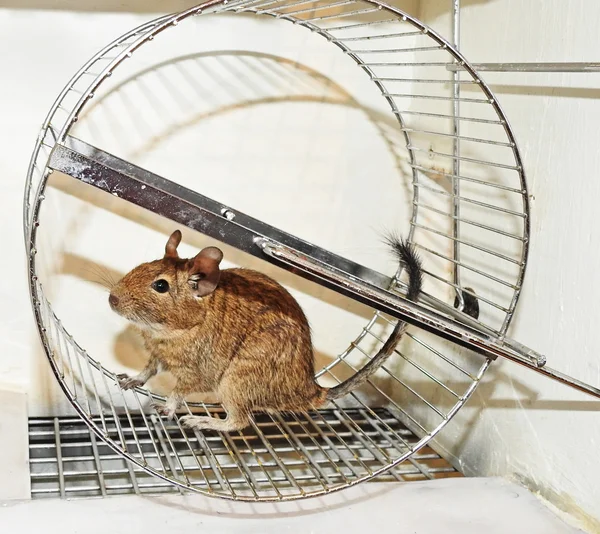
[(68, 461)]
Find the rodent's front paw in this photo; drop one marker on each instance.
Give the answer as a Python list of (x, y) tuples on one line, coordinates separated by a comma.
[(163, 409), (127, 382)]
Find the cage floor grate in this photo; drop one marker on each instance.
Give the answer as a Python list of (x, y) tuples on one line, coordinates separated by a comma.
[(67, 460)]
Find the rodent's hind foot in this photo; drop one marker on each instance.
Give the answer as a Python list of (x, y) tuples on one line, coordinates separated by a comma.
[(471, 304), (128, 382), (202, 422)]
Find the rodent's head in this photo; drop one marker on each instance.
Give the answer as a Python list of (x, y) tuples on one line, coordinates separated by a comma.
[(163, 295)]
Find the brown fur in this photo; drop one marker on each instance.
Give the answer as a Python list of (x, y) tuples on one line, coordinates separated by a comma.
[(235, 332)]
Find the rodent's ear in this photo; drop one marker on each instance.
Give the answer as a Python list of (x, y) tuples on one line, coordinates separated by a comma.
[(204, 272), (172, 244), (214, 253)]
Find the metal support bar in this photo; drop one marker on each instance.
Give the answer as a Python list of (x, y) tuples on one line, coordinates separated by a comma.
[(460, 301), (530, 67), (143, 188), (401, 308)]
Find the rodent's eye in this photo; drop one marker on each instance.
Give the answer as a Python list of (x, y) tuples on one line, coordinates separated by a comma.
[(160, 286)]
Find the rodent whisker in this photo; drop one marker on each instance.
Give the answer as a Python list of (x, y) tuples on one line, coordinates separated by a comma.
[(107, 276), (103, 276)]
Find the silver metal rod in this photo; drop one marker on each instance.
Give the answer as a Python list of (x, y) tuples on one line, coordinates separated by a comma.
[(399, 442), (133, 431), (473, 223), (259, 462), (375, 37), (563, 378), (531, 67), (236, 456), (99, 406), (252, 3), (469, 244), (399, 439), (455, 136), (446, 117), (456, 159), (398, 50), (260, 7), (440, 355), (435, 97), (151, 433), (392, 403), (318, 447), (403, 64), (59, 461), (195, 456), (430, 170), (453, 285), (340, 439), (395, 438), (98, 463), (331, 365), (342, 15), (306, 458), (373, 385), (406, 386), (476, 203), (211, 458), (425, 80), (346, 421), (286, 472), (416, 366), (468, 267), (362, 24), (314, 8), (167, 454), (463, 158)]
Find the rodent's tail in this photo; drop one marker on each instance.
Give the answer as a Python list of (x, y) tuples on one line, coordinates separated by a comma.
[(409, 259)]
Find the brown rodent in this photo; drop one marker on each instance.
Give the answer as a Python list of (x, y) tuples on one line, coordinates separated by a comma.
[(235, 332)]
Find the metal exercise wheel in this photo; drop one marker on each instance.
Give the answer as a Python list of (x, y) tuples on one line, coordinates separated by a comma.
[(470, 223)]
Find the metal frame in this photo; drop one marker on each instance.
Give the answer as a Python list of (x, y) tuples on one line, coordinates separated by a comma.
[(111, 413)]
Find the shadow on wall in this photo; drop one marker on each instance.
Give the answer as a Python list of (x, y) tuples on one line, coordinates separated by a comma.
[(141, 6)]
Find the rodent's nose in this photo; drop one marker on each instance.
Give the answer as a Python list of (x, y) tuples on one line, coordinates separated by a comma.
[(113, 300)]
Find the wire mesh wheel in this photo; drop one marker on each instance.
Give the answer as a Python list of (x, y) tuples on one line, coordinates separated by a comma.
[(469, 221)]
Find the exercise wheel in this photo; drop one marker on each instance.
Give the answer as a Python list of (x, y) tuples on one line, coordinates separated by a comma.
[(469, 222)]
